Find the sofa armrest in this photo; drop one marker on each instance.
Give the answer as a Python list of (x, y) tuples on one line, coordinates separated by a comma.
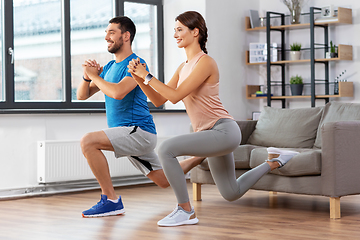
[(246, 128), (340, 158)]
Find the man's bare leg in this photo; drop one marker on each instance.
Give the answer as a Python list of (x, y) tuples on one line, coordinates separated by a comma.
[(159, 178), (91, 145), (190, 163)]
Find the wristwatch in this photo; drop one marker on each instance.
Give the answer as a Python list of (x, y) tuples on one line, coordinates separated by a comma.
[(148, 78)]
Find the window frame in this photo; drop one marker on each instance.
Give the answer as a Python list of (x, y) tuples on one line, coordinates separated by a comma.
[(9, 105)]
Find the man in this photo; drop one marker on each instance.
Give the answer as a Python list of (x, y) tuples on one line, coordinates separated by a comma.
[(131, 129)]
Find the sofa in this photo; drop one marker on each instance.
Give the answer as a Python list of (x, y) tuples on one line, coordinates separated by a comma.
[(327, 138)]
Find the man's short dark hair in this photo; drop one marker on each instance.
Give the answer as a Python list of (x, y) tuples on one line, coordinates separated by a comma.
[(125, 25)]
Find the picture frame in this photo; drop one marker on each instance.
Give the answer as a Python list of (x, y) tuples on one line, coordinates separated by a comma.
[(328, 11), (254, 19)]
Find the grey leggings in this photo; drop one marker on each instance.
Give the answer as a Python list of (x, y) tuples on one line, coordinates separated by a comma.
[(217, 144)]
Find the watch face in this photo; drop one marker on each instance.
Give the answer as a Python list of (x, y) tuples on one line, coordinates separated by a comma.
[(148, 77)]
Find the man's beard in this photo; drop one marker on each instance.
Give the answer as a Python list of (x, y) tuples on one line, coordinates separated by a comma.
[(117, 46)]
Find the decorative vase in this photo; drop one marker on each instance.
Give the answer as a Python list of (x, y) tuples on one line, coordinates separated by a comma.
[(295, 15), (296, 89), (295, 55)]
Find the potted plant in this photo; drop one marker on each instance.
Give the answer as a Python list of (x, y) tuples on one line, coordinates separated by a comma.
[(296, 85), (295, 51), (333, 50)]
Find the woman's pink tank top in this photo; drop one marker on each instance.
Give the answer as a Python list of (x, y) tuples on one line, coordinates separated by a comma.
[(202, 105)]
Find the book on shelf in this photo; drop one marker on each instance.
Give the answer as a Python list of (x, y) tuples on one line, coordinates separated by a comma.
[(260, 95)]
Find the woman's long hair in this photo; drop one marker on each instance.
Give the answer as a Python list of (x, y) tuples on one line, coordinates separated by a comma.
[(193, 20)]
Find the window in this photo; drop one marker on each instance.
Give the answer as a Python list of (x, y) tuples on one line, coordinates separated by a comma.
[(46, 41), (37, 44), (88, 24), (145, 42)]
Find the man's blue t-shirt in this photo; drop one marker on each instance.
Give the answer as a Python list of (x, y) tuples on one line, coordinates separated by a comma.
[(132, 110)]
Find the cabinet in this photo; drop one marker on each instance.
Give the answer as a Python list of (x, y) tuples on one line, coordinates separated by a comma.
[(344, 16)]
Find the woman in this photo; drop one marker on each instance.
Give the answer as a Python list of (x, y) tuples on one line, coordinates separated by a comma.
[(216, 134)]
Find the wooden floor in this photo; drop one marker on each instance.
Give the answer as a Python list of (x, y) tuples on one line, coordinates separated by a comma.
[(251, 217)]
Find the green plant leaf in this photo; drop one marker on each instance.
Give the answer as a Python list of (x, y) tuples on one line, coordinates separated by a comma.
[(296, 80), (295, 46)]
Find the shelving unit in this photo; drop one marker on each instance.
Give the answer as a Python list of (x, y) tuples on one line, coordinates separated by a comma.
[(344, 16)]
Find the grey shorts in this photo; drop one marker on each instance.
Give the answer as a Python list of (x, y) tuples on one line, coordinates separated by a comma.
[(135, 144)]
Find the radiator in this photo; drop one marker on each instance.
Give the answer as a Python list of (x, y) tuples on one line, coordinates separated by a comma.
[(61, 161)]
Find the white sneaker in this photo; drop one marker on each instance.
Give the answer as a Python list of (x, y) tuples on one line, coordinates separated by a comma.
[(284, 155), (179, 217)]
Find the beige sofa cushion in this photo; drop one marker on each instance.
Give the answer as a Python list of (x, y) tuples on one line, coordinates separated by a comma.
[(307, 163), (286, 128), (337, 111)]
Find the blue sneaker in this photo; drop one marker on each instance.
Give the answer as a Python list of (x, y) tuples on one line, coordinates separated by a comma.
[(105, 208)]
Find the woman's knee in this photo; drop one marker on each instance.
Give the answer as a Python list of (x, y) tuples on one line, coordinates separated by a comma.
[(164, 151), (229, 194), (230, 197)]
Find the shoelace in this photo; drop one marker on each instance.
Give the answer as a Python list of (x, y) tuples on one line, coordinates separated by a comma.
[(174, 211), (99, 204)]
